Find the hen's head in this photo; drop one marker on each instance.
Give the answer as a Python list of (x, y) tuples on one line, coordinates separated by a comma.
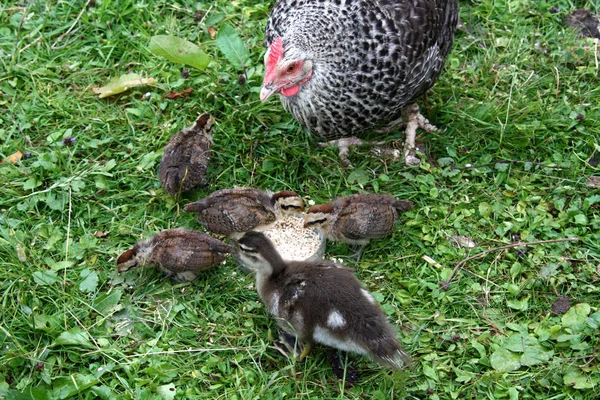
[(284, 73)]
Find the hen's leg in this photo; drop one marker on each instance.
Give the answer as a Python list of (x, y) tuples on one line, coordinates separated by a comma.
[(414, 120)]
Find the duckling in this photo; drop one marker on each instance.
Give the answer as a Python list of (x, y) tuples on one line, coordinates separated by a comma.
[(357, 219), (231, 211), (186, 156), (320, 301), (181, 253)]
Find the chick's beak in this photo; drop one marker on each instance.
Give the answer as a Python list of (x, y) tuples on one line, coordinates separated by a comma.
[(266, 92)]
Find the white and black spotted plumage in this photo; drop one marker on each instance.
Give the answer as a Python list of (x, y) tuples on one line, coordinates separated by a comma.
[(369, 58), (321, 302)]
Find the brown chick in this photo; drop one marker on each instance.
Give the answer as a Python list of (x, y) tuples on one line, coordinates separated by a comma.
[(231, 211), (186, 157), (320, 301), (181, 253), (358, 218)]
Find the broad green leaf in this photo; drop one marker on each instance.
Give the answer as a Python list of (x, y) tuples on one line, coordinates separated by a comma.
[(75, 336), (62, 265), (594, 320), (535, 355), (178, 50), (167, 392), (430, 372), (108, 302), (578, 380), (519, 342), (122, 84), (232, 46), (31, 183), (89, 282), (549, 270), (44, 278), (103, 392), (148, 160), (47, 323), (28, 393), (479, 347), (576, 317), (567, 338), (463, 376), (67, 387), (505, 360), (520, 305), (581, 219), (359, 176)]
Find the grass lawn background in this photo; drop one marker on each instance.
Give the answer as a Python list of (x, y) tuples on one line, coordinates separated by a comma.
[(519, 101)]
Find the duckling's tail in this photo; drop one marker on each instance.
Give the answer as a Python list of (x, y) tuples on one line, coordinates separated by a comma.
[(399, 359)]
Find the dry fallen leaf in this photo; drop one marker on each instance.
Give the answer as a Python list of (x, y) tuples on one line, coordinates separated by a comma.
[(121, 84), (593, 182), (100, 234), (212, 32), (462, 241), (13, 158), (176, 95)]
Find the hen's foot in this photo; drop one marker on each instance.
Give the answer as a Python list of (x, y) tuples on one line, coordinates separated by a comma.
[(411, 119), (343, 146)]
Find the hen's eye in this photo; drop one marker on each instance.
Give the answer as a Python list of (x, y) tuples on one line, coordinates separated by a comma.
[(291, 69)]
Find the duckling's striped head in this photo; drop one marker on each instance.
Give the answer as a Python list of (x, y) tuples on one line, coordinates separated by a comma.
[(288, 202), (318, 216), (258, 253)]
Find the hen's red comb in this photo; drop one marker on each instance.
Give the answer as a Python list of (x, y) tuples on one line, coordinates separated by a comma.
[(276, 51)]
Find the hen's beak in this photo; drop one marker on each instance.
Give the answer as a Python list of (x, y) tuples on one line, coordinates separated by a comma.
[(266, 92)]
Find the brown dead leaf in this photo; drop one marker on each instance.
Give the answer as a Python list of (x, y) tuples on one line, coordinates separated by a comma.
[(177, 95), (212, 32), (100, 234), (13, 158), (593, 182)]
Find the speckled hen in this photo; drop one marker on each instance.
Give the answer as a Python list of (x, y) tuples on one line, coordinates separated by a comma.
[(347, 67)]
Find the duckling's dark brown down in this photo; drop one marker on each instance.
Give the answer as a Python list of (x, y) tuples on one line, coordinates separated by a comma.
[(322, 302)]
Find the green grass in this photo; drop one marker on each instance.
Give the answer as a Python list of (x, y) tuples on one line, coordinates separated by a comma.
[(518, 86)]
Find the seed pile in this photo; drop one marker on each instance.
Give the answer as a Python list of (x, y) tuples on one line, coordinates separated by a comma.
[(292, 240)]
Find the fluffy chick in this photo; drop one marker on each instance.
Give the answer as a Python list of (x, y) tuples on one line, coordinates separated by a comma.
[(181, 253), (358, 218), (231, 211), (186, 157)]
